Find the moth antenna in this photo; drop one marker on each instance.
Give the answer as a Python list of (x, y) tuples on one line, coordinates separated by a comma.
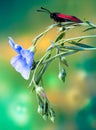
[(40, 10), (44, 10)]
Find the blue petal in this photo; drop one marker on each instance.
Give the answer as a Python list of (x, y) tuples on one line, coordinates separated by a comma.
[(16, 47), (28, 55), (26, 73), (19, 63), (23, 62)]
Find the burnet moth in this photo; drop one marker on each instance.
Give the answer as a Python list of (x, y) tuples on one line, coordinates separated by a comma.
[(59, 17)]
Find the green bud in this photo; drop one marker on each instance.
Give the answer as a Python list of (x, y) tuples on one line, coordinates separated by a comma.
[(40, 92), (40, 110), (45, 117), (39, 89), (52, 114), (62, 75), (64, 61), (52, 119)]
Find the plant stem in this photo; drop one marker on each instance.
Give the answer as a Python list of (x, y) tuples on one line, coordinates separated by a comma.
[(34, 42), (76, 38), (33, 77), (77, 48), (60, 54)]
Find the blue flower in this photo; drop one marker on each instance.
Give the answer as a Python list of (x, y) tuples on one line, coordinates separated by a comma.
[(23, 61)]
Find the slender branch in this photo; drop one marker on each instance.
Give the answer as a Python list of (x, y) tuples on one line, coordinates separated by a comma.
[(77, 48), (33, 77), (41, 34), (60, 54), (87, 23), (76, 38)]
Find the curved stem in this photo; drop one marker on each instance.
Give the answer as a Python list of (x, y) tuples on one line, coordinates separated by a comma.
[(86, 23), (33, 77), (77, 48), (41, 34), (76, 38), (60, 54)]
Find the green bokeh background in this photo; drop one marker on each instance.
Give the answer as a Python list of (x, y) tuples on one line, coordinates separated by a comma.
[(18, 107)]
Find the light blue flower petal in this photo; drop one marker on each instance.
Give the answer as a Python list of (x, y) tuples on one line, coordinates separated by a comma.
[(16, 47), (28, 55), (26, 73), (19, 63), (23, 61)]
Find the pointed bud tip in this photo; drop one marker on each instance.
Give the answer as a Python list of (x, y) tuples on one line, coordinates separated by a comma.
[(39, 110), (45, 117), (52, 119), (62, 75)]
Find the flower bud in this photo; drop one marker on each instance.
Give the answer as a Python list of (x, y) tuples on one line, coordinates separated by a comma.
[(62, 75), (45, 117), (64, 61), (52, 119), (39, 110), (40, 92), (52, 114)]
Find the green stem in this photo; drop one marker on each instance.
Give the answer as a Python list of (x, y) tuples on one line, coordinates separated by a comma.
[(76, 38), (87, 23), (60, 54), (77, 48), (33, 77), (41, 34), (40, 74)]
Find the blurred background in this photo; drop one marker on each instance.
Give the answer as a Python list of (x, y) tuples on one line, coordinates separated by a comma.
[(75, 100)]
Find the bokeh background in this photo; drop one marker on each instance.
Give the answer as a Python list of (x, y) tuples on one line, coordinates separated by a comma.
[(74, 101)]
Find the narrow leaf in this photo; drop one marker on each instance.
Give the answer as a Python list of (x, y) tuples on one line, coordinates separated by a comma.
[(60, 36), (79, 48), (81, 44), (80, 40), (90, 24), (91, 28)]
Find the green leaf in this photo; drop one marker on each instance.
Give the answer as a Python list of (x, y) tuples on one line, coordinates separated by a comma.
[(60, 37), (80, 40), (74, 48), (91, 24), (81, 44), (91, 28), (78, 48)]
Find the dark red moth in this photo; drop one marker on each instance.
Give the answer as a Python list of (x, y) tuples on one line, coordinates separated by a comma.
[(59, 17)]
